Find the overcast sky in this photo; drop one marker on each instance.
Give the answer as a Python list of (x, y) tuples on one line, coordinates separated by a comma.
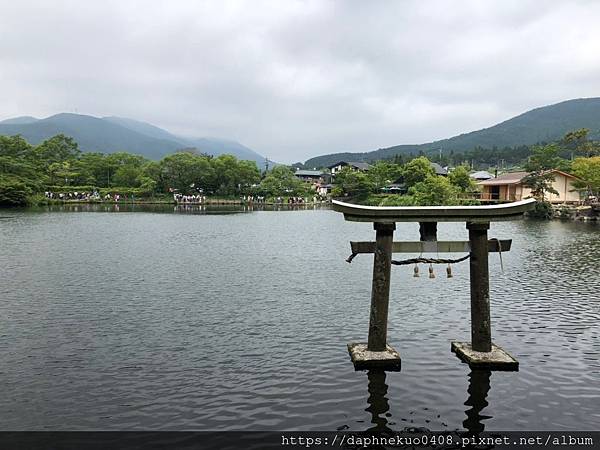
[(295, 79)]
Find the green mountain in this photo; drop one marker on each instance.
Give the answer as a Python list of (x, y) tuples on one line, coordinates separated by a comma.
[(112, 134), (211, 145), (544, 124)]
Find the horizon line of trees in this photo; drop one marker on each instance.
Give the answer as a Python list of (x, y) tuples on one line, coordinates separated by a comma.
[(57, 164)]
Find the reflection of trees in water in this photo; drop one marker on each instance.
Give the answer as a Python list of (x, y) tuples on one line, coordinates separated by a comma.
[(479, 386)]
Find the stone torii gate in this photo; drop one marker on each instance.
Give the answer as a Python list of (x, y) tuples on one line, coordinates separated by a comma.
[(481, 352)]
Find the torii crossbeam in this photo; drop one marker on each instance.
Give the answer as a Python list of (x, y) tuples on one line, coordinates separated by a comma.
[(480, 352)]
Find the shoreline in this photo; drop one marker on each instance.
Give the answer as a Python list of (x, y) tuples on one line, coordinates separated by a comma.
[(214, 202)]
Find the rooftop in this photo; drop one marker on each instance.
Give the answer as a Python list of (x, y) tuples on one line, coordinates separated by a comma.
[(356, 164), (308, 173), (516, 178), (439, 170), (481, 175), (507, 178)]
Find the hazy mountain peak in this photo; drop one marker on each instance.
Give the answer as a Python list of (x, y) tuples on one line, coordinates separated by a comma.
[(110, 134), (19, 120)]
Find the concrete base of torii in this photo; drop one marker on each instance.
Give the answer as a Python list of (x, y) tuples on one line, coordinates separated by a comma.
[(497, 359), (363, 359)]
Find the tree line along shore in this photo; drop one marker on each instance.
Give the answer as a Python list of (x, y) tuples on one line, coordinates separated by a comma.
[(57, 171)]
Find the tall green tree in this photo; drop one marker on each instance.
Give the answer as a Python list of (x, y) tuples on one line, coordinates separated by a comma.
[(460, 178), (588, 171), (416, 171), (62, 173), (20, 175), (434, 191), (95, 169), (578, 141), (232, 176), (281, 181), (352, 183), (184, 171), (383, 173), (57, 149), (540, 165)]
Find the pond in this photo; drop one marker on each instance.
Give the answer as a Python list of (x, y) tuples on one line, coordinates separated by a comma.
[(169, 319)]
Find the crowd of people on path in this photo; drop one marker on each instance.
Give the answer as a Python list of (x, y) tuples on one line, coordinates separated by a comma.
[(84, 196), (296, 200), (253, 199), (197, 199), (78, 196)]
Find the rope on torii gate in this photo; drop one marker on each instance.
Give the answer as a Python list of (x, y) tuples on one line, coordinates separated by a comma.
[(421, 260)]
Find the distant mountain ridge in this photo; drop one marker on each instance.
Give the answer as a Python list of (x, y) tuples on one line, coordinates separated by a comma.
[(112, 134), (544, 124)]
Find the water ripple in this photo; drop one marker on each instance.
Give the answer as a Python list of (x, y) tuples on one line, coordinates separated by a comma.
[(209, 322)]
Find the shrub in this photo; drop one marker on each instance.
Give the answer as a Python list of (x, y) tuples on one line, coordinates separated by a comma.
[(13, 191), (542, 210)]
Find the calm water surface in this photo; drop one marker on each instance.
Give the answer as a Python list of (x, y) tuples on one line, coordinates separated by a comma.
[(196, 321)]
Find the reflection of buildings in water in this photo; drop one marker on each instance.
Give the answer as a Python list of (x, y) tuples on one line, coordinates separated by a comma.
[(378, 402), (479, 386)]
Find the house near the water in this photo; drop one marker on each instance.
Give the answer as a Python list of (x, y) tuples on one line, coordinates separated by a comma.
[(320, 181), (359, 166), (310, 175), (509, 187)]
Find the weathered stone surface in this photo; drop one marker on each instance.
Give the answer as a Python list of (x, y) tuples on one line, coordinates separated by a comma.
[(362, 358), (497, 359), (380, 291)]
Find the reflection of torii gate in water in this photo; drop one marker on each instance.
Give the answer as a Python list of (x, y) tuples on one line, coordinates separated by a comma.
[(481, 352), (379, 403)]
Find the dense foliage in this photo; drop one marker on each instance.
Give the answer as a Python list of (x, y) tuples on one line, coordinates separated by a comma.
[(57, 165), (588, 171), (281, 182), (417, 177)]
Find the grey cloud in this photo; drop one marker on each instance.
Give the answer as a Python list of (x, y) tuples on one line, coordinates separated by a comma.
[(295, 79)]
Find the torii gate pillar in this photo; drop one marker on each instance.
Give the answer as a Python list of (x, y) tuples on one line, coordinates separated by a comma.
[(377, 353), (481, 330), (380, 292), (481, 352)]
